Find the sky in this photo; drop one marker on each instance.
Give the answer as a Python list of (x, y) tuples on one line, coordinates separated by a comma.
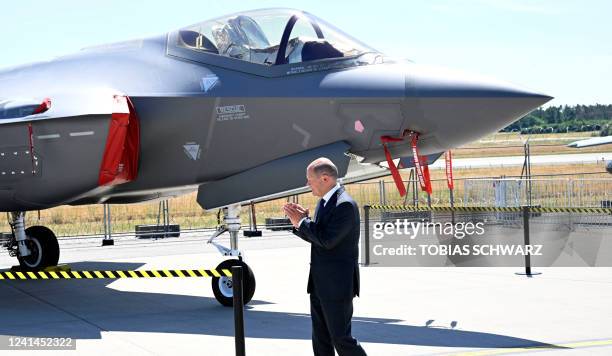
[(562, 48)]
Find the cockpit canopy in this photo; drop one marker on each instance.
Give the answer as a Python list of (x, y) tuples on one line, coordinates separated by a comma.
[(271, 37)]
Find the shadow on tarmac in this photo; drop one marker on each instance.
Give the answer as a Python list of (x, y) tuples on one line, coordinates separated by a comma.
[(81, 310)]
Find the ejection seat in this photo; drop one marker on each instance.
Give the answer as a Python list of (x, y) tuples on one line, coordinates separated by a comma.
[(239, 37)]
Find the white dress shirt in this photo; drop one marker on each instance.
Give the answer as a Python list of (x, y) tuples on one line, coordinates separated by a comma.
[(325, 198)]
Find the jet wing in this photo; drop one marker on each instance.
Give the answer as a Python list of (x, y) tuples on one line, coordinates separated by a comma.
[(595, 141)]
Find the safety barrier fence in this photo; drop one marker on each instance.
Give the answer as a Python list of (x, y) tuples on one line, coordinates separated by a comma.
[(184, 213), (235, 273), (115, 274), (513, 192), (398, 235)]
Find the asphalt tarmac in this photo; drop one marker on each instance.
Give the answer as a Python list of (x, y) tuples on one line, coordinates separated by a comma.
[(401, 311)]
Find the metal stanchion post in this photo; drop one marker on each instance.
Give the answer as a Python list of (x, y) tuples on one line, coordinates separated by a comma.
[(252, 231), (366, 238), (526, 216), (108, 239), (166, 217), (526, 234), (238, 310), (382, 192)]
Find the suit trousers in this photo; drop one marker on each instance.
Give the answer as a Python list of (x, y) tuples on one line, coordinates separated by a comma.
[(331, 327)]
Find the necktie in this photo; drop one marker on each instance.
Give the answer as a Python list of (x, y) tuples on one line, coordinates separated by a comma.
[(319, 209)]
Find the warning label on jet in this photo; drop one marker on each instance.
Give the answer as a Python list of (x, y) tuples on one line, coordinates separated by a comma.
[(231, 112)]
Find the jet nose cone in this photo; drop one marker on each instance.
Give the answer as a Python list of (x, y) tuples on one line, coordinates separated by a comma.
[(443, 82), (459, 108)]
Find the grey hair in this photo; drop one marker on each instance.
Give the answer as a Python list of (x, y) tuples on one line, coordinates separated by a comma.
[(325, 166)]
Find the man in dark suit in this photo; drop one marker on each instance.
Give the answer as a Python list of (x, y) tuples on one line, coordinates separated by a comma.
[(333, 281)]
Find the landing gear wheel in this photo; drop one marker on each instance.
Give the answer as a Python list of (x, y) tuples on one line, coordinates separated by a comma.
[(222, 286), (43, 247)]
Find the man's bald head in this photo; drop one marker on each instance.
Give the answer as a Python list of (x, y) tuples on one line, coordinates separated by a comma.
[(321, 176), (325, 166)]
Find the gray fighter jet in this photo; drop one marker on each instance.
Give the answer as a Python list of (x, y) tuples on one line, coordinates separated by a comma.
[(234, 107), (594, 141)]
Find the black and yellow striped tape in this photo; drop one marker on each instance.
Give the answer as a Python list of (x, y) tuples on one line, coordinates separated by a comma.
[(174, 273), (492, 209), (573, 210), (444, 208)]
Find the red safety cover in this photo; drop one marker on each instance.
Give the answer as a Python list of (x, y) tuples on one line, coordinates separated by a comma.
[(448, 158), (397, 178), (120, 162), (421, 165), (44, 106), (426, 177)]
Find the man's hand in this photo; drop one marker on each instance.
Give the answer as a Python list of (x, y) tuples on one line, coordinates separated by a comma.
[(295, 213)]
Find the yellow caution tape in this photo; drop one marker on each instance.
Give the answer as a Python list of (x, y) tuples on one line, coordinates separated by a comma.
[(175, 273), (490, 209)]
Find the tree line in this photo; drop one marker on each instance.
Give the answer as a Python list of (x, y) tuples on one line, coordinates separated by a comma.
[(557, 119)]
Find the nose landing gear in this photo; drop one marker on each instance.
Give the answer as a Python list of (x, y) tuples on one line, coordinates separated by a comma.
[(223, 286)]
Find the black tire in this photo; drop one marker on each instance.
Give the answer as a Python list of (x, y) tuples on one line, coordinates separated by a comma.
[(223, 291), (44, 247)]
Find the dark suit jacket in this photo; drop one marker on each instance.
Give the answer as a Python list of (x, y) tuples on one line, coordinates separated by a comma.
[(334, 238)]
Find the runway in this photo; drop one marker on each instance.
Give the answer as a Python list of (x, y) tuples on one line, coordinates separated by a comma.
[(401, 311), (508, 161)]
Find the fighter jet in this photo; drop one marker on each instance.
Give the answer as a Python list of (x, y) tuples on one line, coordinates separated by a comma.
[(594, 141), (590, 142), (235, 108)]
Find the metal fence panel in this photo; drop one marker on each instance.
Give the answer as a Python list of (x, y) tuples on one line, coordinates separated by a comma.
[(184, 210)]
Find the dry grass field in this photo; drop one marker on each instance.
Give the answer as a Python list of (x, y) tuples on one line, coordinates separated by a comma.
[(511, 144), (88, 220)]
